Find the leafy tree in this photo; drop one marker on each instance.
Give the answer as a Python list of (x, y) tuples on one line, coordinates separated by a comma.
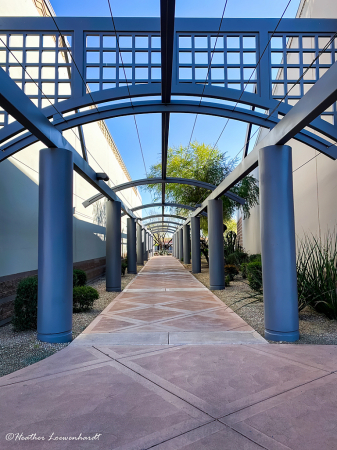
[(204, 163)]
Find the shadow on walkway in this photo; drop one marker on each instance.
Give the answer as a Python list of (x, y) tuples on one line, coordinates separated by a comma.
[(172, 395)]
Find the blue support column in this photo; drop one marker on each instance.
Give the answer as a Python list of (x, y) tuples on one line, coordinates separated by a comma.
[(55, 249), (187, 244), (131, 245), (140, 256), (144, 245), (195, 238), (113, 247), (215, 245), (278, 244), (181, 244)]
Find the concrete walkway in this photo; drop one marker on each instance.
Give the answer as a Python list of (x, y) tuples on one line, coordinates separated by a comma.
[(169, 395)]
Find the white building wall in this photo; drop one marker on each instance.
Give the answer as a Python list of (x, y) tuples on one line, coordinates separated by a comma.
[(19, 191), (315, 180)]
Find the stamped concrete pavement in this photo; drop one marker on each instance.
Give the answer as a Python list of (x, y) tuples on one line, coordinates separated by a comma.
[(195, 392)]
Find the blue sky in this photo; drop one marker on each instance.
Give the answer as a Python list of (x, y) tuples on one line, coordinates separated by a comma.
[(207, 128)]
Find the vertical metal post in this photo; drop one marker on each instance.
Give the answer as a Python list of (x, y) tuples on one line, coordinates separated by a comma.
[(144, 245), (131, 245), (173, 243), (55, 249), (181, 244), (187, 244), (215, 245), (140, 256), (195, 237), (113, 247), (278, 244), (177, 248)]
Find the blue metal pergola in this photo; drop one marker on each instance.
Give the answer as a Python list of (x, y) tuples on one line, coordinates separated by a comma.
[(279, 75)]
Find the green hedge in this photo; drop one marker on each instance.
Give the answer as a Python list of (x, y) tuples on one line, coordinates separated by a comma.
[(79, 277), (254, 275), (25, 305), (237, 258), (83, 298), (231, 271)]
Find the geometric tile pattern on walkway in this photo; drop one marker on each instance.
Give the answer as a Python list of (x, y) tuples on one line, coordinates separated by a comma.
[(171, 397), (166, 305)]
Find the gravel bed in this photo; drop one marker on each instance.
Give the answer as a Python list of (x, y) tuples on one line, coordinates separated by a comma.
[(20, 349), (315, 328)]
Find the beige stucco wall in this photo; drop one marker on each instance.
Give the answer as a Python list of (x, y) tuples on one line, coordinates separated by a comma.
[(19, 191), (315, 183)]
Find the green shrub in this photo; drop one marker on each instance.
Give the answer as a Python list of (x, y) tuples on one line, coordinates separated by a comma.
[(243, 269), (254, 257), (83, 298), (231, 271), (227, 281), (254, 275), (124, 266), (237, 258), (25, 305), (79, 277), (317, 274)]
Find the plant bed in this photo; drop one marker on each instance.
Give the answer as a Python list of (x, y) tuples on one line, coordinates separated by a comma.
[(21, 349), (315, 328)]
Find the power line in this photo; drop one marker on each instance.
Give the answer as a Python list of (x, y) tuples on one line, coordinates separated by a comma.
[(58, 112), (208, 69), (127, 85), (258, 63), (71, 55), (298, 80), (242, 92)]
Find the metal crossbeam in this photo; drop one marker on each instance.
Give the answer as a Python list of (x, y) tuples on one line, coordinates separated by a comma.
[(197, 183), (312, 104), (162, 215), (167, 10), (166, 205), (176, 106), (16, 103)]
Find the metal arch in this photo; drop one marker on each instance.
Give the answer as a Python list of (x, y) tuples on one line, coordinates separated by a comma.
[(162, 215), (174, 229), (172, 180), (222, 94), (145, 181), (162, 222), (18, 104), (260, 27), (164, 230), (168, 205), (186, 106), (322, 94)]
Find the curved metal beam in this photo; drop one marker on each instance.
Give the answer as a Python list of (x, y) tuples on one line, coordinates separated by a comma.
[(169, 205), (156, 205), (153, 106), (173, 180), (146, 181), (164, 231), (162, 215), (162, 222)]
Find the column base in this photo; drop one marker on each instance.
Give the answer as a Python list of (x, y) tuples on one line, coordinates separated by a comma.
[(277, 336), (134, 272), (112, 289), (217, 288), (56, 338)]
